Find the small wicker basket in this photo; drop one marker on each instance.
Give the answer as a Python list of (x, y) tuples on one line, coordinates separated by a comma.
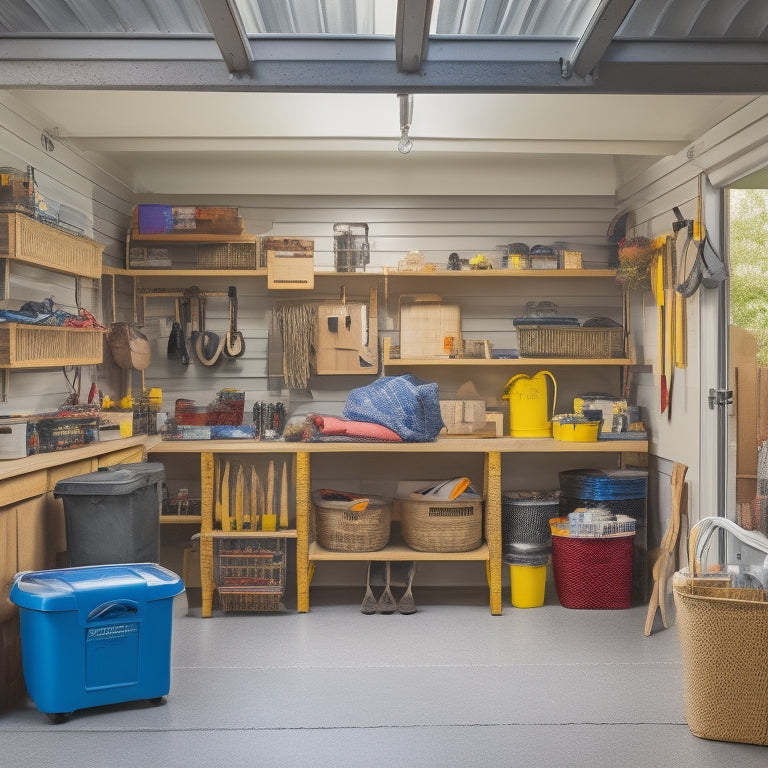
[(441, 526), (341, 529)]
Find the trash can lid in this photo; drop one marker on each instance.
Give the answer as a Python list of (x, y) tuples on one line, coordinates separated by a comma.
[(65, 589), (111, 481)]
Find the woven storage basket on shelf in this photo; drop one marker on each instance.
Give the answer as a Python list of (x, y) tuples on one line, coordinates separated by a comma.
[(229, 256), (441, 526), (341, 529), (548, 341)]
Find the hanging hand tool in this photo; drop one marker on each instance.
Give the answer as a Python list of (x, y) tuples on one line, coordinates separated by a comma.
[(657, 284), (669, 320), (234, 345), (208, 346)]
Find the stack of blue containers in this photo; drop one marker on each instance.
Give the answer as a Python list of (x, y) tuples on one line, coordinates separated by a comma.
[(623, 492)]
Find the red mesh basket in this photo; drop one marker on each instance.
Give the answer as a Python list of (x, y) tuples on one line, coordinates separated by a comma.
[(593, 572), (221, 413)]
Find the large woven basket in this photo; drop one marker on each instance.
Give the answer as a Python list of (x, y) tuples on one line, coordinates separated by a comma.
[(441, 526), (341, 529), (723, 635)]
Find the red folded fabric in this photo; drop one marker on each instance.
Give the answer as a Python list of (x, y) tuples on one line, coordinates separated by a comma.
[(332, 425)]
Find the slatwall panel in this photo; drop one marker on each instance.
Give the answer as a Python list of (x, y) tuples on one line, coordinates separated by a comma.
[(91, 199), (435, 226)]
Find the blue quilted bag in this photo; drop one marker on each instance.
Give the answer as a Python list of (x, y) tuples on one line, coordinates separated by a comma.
[(405, 404)]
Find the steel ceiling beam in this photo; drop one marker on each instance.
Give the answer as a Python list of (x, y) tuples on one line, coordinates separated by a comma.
[(229, 33), (343, 65), (596, 38), (412, 33)]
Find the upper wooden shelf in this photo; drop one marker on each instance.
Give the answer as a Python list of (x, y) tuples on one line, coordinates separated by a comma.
[(192, 238), (166, 272), (523, 274)]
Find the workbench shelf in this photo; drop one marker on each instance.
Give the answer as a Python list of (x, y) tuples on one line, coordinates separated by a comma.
[(308, 553)]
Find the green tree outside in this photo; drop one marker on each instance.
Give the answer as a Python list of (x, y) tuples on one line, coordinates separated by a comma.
[(749, 265)]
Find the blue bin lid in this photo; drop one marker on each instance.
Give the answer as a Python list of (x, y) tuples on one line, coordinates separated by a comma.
[(112, 481), (67, 589)]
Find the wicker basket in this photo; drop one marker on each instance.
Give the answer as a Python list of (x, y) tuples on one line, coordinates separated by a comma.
[(229, 256), (341, 529), (250, 573), (441, 526), (723, 634), (579, 342)]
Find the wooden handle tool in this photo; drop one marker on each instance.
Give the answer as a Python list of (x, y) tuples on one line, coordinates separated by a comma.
[(225, 509), (284, 497), (239, 498), (269, 519), (255, 492)]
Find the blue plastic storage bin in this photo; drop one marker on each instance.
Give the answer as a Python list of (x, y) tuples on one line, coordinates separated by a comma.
[(95, 635)]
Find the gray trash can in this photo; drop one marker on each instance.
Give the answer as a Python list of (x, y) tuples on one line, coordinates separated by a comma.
[(113, 515)]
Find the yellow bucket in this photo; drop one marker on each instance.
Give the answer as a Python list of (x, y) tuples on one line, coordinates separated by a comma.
[(527, 585)]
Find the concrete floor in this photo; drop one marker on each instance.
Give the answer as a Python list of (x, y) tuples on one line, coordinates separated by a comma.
[(451, 685)]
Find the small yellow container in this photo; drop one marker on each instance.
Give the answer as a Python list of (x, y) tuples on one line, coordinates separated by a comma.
[(576, 433), (527, 585)]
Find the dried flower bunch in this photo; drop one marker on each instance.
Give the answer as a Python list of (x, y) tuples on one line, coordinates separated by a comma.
[(635, 258)]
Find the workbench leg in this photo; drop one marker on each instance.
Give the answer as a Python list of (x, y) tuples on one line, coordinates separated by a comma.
[(303, 510), (492, 482), (206, 526)]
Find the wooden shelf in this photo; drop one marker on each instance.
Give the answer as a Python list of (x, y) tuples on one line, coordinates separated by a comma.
[(193, 239), (486, 274), (392, 362), (180, 519), (397, 552), (284, 533)]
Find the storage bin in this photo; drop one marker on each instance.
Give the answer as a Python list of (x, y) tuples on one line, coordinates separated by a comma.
[(441, 526), (249, 573), (96, 635), (340, 528), (593, 572), (525, 517), (527, 585), (622, 492), (113, 515)]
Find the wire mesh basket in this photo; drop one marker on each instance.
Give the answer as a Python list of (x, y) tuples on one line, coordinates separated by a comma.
[(525, 517), (250, 573), (351, 250)]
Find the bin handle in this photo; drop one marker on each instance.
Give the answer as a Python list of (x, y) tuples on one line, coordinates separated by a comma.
[(115, 609)]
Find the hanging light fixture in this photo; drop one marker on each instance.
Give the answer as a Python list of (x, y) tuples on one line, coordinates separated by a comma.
[(405, 145)]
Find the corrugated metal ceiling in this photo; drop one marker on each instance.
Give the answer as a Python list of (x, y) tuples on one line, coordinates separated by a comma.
[(698, 19)]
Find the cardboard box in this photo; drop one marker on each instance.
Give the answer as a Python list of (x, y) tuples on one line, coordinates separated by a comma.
[(463, 417), (429, 329), (290, 269), (347, 339)]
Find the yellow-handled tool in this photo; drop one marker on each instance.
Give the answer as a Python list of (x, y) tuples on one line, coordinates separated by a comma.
[(269, 518), (284, 497)]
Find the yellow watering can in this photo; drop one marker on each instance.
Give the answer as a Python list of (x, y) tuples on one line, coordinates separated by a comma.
[(529, 412)]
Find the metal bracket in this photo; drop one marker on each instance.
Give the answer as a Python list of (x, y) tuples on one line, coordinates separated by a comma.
[(719, 398)]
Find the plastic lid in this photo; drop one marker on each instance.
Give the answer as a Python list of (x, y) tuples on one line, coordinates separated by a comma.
[(111, 481), (64, 589)]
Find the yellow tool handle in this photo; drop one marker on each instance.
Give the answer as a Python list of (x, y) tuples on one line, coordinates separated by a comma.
[(681, 331)]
